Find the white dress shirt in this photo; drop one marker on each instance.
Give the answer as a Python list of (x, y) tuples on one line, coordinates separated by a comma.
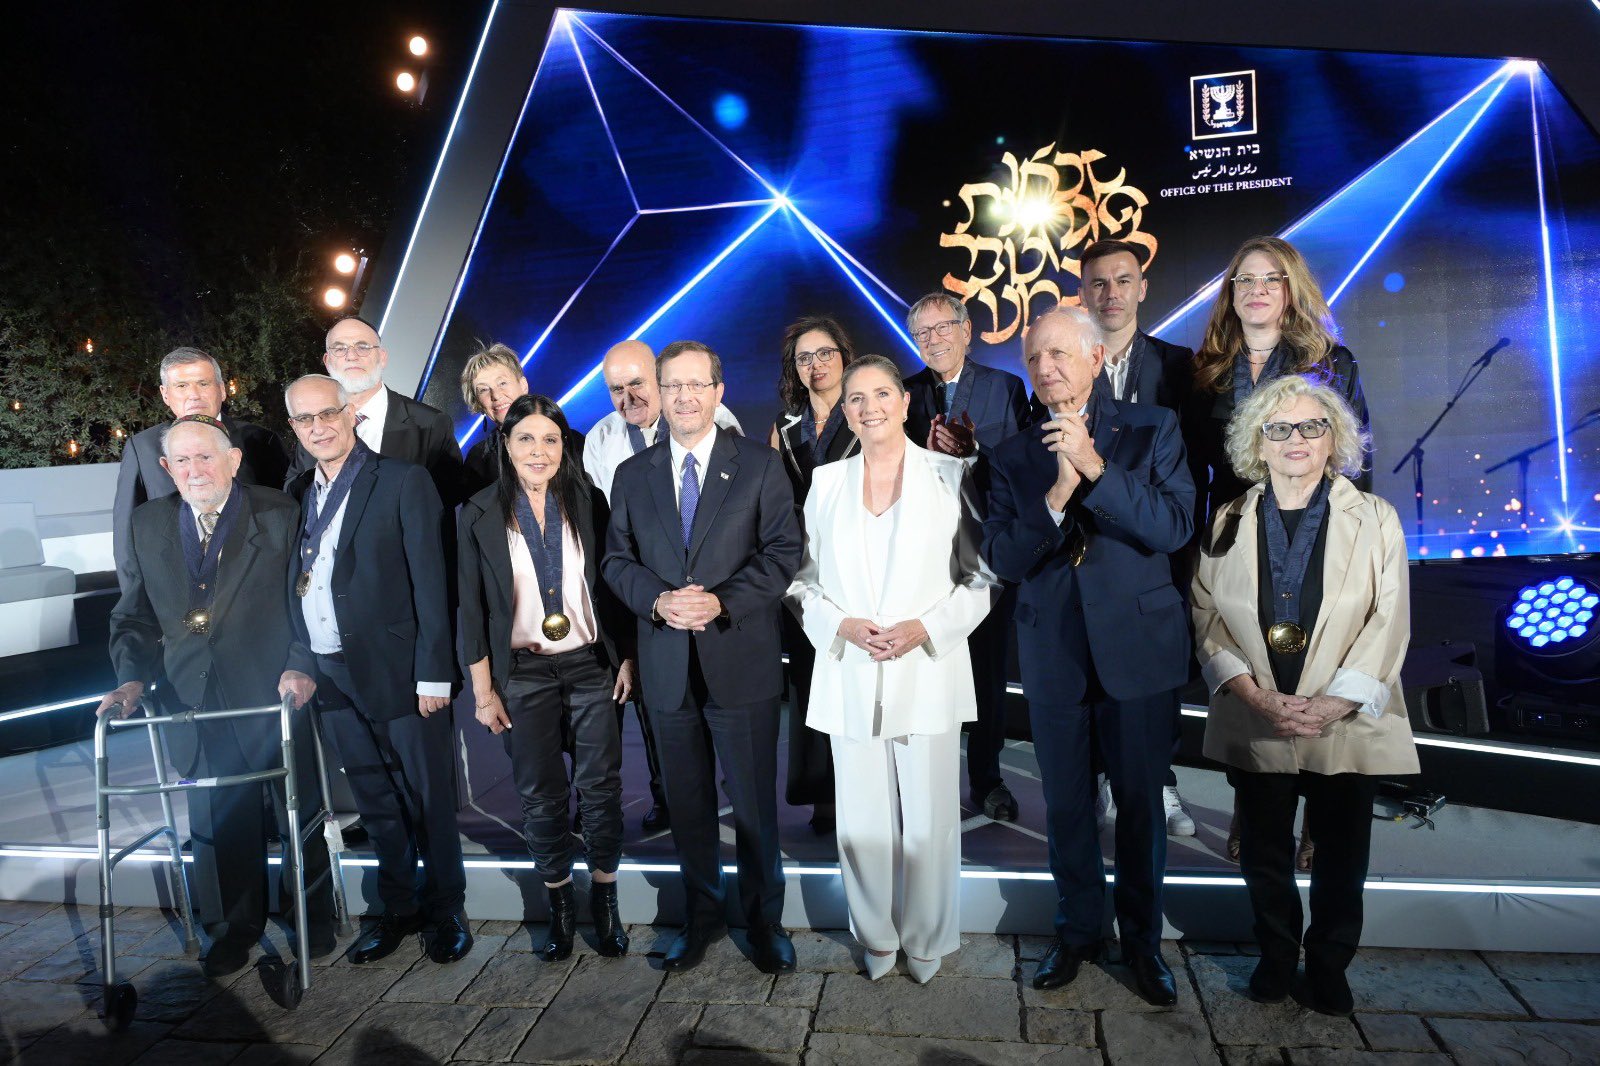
[(702, 457), (1117, 375), (322, 620), (376, 411), (607, 445)]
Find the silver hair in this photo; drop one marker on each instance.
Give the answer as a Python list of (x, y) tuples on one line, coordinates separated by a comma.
[(1244, 432), (1089, 331), (936, 299), (344, 394), (186, 355), (166, 431)]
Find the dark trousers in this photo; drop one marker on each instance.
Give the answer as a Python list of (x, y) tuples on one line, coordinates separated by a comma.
[(402, 776), (1339, 815), (652, 756), (810, 776), (1135, 741), (229, 829), (745, 739), (549, 697), (990, 645)]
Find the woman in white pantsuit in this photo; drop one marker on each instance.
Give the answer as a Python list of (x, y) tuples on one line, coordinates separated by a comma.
[(890, 587)]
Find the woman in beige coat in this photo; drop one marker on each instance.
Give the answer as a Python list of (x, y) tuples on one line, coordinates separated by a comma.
[(1302, 620)]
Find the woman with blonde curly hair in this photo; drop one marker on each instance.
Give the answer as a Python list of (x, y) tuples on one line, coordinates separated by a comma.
[(1301, 623)]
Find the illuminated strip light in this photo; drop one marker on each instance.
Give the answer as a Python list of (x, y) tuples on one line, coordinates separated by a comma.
[(599, 108), (771, 210), (45, 708), (438, 165), (811, 228), (1423, 184), (1549, 288), (822, 235), (702, 207)]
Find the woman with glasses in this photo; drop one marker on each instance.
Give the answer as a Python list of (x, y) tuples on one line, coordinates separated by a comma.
[(549, 650), (810, 431), (1269, 319), (1301, 623)]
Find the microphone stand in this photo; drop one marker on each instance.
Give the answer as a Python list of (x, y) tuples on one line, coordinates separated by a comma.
[(1414, 456), (1524, 458)]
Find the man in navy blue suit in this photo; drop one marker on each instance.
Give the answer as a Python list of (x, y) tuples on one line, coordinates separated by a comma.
[(963, 408), (1084, 510), (702, 545)]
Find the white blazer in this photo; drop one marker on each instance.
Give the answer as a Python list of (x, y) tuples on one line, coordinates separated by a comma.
[(935, 575)]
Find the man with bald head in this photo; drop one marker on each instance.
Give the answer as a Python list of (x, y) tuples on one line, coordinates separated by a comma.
[(629, 371), (204, 601), (1085, 508)]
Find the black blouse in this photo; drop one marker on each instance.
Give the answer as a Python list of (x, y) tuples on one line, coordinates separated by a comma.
[(1286, 666)]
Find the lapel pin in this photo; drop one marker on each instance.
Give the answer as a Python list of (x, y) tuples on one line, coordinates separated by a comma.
[(724, 475)]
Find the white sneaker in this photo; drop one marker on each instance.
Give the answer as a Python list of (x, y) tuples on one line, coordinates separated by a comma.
[(1179, 824), (1105, 808)]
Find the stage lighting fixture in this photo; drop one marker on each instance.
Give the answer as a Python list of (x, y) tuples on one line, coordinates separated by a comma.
[(334, 297), (405, 81), (418, 46), (1555, 619), (1547, 654), (344, 263)]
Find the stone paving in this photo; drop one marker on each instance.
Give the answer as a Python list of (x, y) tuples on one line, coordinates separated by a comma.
[(503, 1004)]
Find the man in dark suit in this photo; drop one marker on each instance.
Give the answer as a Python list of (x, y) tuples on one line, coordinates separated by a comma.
[(370, 604), (245, 655), (1139, 369), (191, 384), (388, 422), (702, 546), (1084, 510), (963, 408)]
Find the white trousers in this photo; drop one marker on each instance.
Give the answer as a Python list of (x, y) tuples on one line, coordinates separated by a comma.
[(899, 830)]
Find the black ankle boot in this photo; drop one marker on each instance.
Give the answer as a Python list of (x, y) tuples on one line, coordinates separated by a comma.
[(612, 941), (563, 923)]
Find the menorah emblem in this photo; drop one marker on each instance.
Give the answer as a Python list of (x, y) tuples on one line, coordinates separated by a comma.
[(1223, 105), (1223, 96)]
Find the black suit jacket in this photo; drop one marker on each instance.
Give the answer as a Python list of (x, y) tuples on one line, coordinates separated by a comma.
[(141, 478), (744, 547), (486, 582), (1119, 608), (252, 639), (996, 401), (389, 582), (415, 433)]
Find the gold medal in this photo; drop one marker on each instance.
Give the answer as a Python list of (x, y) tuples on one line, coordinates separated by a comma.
[(303, 585), (556, 626), (198, 620), (1287, 638)]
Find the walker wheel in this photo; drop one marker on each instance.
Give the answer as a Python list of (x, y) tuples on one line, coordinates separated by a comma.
[(121, 1000), (283, 985)]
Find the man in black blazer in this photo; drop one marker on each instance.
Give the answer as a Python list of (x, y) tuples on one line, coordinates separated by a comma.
[(388, 422), (191, 384), (1084, 510), (245, 656), (370, 604), (702, 545), (963, 408)]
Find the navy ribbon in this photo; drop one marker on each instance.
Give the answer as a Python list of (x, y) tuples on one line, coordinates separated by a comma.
[(202, 564), (544, 549), (318, 519), (1288, 558), (635, 437), (1276, 367)]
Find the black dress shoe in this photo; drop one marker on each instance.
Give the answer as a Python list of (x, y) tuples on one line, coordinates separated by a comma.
[(1328, 992), (1153, 979), (384, 938), (1000, 804), (451, 940), (687, 951), (226, 956), (1272, 979), (612, 942), (563, 923), (1061, 963), (657, 819), (772, 949)]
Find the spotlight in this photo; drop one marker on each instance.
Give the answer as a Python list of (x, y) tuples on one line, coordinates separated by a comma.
[(418, 46), (1554, 618), (334, 297), (405, 81), (1547, 653), (344, 263)]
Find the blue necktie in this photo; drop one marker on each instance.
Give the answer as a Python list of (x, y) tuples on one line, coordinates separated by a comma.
[(635, 438), (947, 396), (689, 497)]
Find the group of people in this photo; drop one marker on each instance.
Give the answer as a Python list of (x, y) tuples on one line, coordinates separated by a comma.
[(1148, 514)]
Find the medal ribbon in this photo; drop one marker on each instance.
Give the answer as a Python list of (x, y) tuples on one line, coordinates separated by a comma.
[(545, 550), (318, 519), (1276, 366), (202, 565), (1288, 560)]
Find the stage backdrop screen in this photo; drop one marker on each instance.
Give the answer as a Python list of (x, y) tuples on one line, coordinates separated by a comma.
[(686, 178)]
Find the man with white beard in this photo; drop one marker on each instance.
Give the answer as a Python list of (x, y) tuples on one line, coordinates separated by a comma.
[(388, 422)]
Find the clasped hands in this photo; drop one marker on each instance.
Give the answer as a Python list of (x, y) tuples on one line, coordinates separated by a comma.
[(1297, 716), (691, 608), (1067, 436), (881, 642)]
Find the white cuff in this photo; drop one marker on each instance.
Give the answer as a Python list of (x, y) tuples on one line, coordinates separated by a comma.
[(1363, 689), (1222, 668), (1056, 516), (433, 688)]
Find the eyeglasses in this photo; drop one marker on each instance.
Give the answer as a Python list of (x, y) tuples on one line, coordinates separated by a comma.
[(327, 418), (361, 347), (693, 388), (1310, 429), (1247, 282), (942, 329), (820, 356)]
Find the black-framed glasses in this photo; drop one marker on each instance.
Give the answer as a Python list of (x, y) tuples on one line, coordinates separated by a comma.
[(820, 356), (362, 347), (1310, 429), (1247, 282), (327, 417), (940, 329)]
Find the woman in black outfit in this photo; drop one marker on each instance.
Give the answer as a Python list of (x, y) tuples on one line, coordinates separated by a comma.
[(1269, 319), (808, 432), (549, 649)]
